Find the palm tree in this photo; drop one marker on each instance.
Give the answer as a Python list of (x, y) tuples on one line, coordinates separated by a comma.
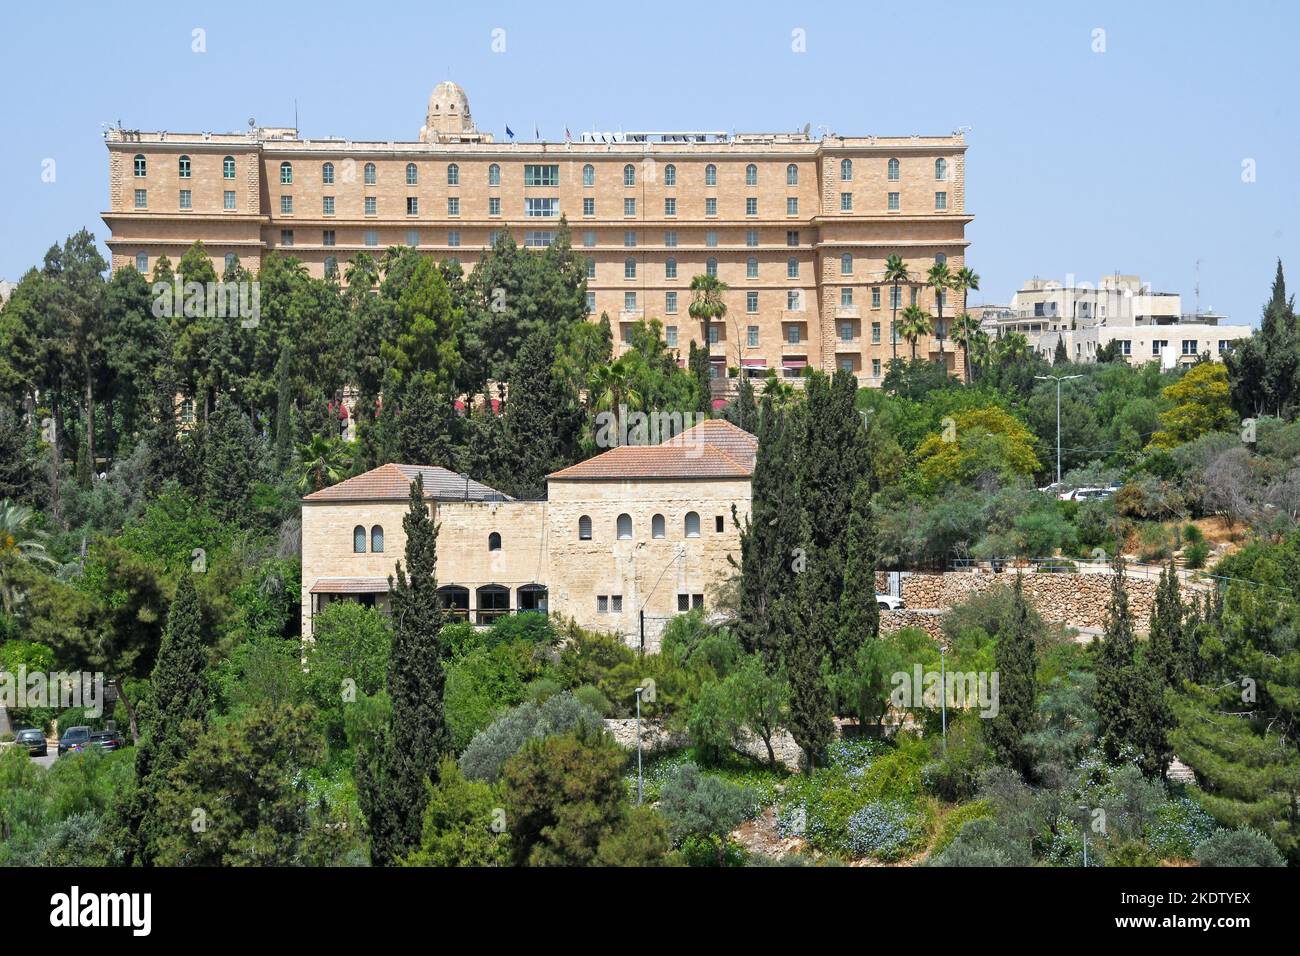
[(611, 387), (321, 462), (707, 305), (963, 281), (980, 351), (916, 323), (20, 542), (895, 272), (1012, 347), (964, 329), (939, 278)]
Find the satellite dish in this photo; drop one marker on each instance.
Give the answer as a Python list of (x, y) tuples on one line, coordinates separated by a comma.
[(251, 122), (807, 128)]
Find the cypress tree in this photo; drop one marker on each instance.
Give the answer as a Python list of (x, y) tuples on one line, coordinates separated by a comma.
[(744, 411), (1165, 637), (859, 615), (1116, 674), (1016, 665), (424, 426), (417, 736), (284, 409), (1153, 717), (539, 423), (1060, 356), (698, 364), (178, 691), (232, 463)]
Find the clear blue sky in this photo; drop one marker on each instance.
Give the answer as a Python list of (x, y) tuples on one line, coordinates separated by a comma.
[(1079, 162)]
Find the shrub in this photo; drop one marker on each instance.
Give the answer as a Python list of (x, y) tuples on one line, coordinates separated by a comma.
[(954, 775), (588, 657), (459, 825), (480, 686), (979, 843), (952, 823), (542, 690), (712, 850), (1196, 554), (714, 722), (1244, 847), (1180, 827), (492, 747), (881, 829), (1153, 543), (698, 805), (593, 698)]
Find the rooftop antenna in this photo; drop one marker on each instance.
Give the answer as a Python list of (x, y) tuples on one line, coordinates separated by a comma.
[(807, 128), (295, 114), (1197, 286)]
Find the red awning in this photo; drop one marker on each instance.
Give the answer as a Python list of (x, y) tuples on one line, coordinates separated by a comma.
[(753, 363), (719, 403), (794, 363)]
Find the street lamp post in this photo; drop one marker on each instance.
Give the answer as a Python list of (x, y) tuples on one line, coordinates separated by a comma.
[(943, 697), (638, 744), (1058, 379)]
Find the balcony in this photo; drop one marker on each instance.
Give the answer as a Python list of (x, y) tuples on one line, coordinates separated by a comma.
[(853, 344)]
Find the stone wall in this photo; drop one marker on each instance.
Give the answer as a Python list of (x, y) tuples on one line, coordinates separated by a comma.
[(654, 737), (1078, 599), (929, 621)]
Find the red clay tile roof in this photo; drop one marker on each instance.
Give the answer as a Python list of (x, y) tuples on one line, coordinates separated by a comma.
[(392, 482), (712, 449), (350, 586)]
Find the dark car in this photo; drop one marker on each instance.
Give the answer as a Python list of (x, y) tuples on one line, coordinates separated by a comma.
[(73, 737), (107, 740), (33, 740)]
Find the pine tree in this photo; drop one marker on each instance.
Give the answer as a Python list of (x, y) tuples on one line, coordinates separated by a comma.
[(1116, 673), (284, 409), (16, 475), (424, 425), (406, 760), (179, 693), (232, 463), (1016, 665)]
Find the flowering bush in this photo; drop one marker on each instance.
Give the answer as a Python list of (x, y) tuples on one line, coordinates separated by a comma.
[(883, 829)]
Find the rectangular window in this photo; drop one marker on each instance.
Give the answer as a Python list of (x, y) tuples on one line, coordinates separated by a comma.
[(792, 237), (370, 205), (670, 238), (453, 205), (494, 205), (629, 238), (751, 336), (697, 601), (616, 604), (1125, 346), (286, 237), (141, 198), (846, 202), (588, 206), (412, 205), (875, 367), (751, 206), (629, 301), (893, 202), (629, 206), (714, 335), (538, 239), (751, 302), (792, 269), (846, 297), (1190, 347), (875, 333), (846, 331), (187, 200), (591, 268), (629, 269), (670, 302), (792, 301), (915, 294), (875, 297), (591, 302), (941, 201), (228, 199), (683, 603), (413, 238), (895, 297), (792, 206), (670, 336), (588, 239), (602, 603), (751, 268), (372, 237), (670, 206), (751, 237), (711, 238), (670, 269), (327, 237), (453, 237), (541, 208), (541, 175), (792, 334), (711, 206)]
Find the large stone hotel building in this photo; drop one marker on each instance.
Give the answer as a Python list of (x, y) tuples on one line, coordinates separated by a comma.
[(798, 228)]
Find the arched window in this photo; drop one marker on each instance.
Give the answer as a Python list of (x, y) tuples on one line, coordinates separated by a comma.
[(940, 258), (710, 175), (624, 527), (846, 264), (711, 267), (751, 268), (846, 169), (751, 175), (494, 175), (453, 174), (228, 167), (792, 268), (494, 541), (331, 267), (629, 268), (584, 528), (359, 539), (369, 173), (377, 539), (941, 169), (629, 175), (792, 175), (231, 261), (412, 174), (589, 175), (893, 170), (286, 174), (142, 263), (670, 268), (141, 165), (183, 165), (692, 524), (657, 527), (670, 175)]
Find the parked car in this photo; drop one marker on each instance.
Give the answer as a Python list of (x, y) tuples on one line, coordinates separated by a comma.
[(888, 602), (33, 739), (107, 740), (73, 737)]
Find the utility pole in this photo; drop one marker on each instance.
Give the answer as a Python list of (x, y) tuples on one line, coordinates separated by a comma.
[(943, 697), (1058, 379), (638, 744)]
